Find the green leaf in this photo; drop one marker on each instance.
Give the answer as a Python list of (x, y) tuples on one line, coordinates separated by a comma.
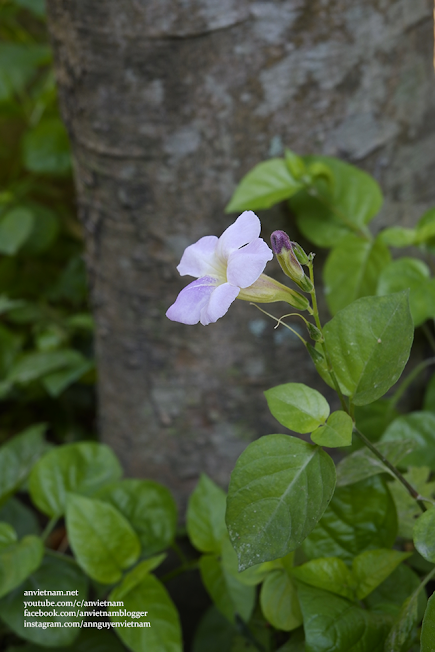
[(206, 516), (44, 232), (407, 508), (373, 419), (397, 236), (279, 489), (364, 464), (424, 535), (15, 228), (82, 468), (265, 185), (354, 199), (403, 632), (419, 428), (141, 592), (279, 601), (35, 365), (352, 270), (214, 633), (337, 431), (17, 457), (389, 596), (7, 535), (229, 595), (329, 573), (413, 274), (7, 304), (332, 623), (18, 65), (18, 560), (59, 381), (369, 344), (20, 517), (360, 517), (148, 507), (103, 541), (295, 164), (297, 406), (251, 576), (46, 148), (372, 567), (427, 640), (54, 574)]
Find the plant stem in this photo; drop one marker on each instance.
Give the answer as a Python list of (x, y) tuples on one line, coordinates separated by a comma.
[(410, 489), (429, 336), (323, 344), (407, 382), (176, 548), (189, 565), (49, 528)]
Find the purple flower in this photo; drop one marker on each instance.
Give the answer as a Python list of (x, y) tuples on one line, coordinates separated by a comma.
[(223, 266)]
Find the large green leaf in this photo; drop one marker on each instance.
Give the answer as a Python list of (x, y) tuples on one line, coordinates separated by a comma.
[(141, 592), (265, 185), (15, 228), (389, 596), (360, 517), (18, 560), (206, 516), (369, 344), (279, 601), (403, 632), (424, 535), (352, 201), (227, 592), (46, 148), (17, 457), (419, 428), (372, 567), (352, 270), (103, 541), (251, 576), (427, 640), (83, 468), (336, 432), (413, 274), (279, 489), (297, 406), (363, 463), (21, 518), (332, 623), (148, 507), (54, 574)]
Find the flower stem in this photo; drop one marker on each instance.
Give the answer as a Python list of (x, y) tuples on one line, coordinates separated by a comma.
[(49, 528), (323, 344), (410, 489), (189, 565)]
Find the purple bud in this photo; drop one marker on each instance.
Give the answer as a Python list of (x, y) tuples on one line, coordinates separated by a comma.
[(279, 241)]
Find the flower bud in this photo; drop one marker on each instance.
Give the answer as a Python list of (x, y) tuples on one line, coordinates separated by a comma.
[(315, 333), (287, 253), (267, 290)]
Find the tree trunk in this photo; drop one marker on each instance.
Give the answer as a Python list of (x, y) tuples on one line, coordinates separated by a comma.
[(168, 104)]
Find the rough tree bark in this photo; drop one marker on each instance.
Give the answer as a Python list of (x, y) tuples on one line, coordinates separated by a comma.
[(168, 104)]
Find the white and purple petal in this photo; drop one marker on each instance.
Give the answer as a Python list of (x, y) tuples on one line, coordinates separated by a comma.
[(199, 259), (246, 264), (192, 300), (219, 302), (245, 229)]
